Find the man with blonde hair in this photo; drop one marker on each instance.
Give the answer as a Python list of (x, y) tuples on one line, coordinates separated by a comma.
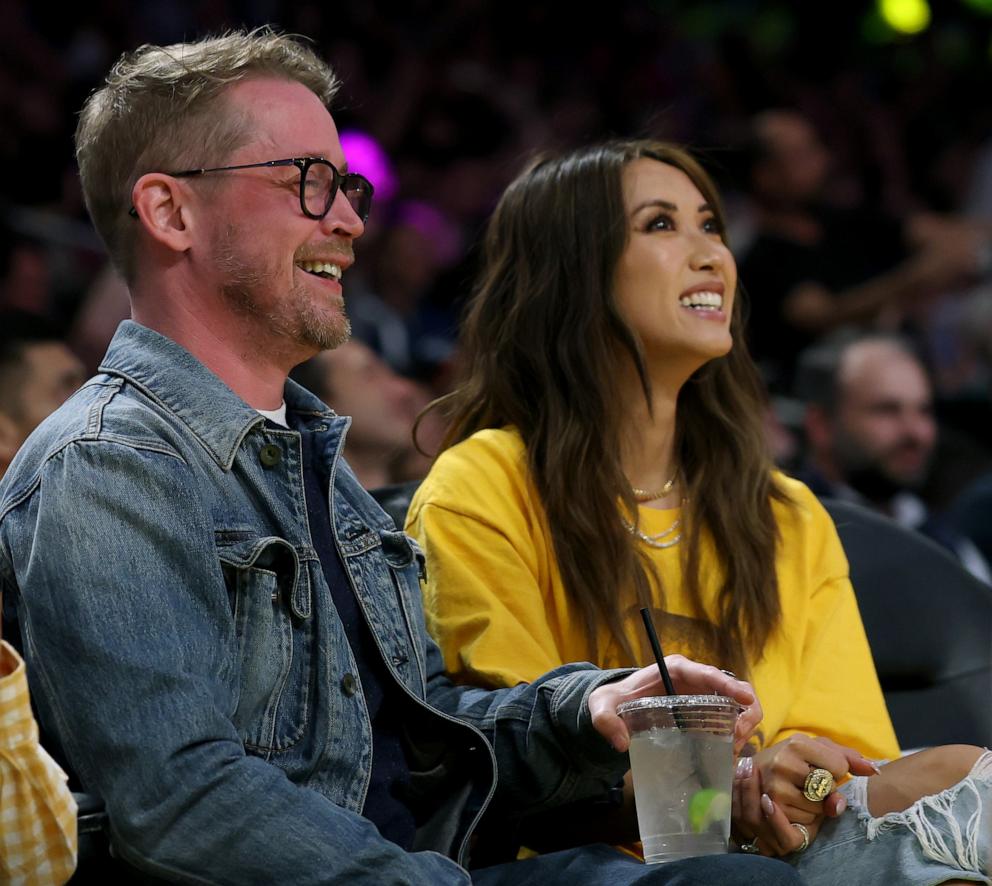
[(224, 631)]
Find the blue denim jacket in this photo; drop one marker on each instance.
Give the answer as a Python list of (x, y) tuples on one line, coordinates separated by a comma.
[(185, 652)]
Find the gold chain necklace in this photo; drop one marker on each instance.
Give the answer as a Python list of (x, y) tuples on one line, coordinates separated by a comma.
[(642, 495), (660, 540)]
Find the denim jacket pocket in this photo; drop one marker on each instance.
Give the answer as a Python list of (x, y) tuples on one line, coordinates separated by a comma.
[(270, 607)]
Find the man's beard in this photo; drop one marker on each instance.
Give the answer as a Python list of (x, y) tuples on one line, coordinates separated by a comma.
[(867, 474), (250, 289), (874, 484)]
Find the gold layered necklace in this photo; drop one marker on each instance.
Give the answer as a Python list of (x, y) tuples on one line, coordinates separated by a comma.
[(667, 538), (664, 539), (643, 495)]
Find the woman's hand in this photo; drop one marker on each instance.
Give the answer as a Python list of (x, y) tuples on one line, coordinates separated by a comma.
[(760, 822), (690, 678), (784, 767)]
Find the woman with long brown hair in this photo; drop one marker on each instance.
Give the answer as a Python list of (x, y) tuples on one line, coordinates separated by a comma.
[(606, 452)]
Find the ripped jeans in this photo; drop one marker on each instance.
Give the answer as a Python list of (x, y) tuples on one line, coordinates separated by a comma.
[(945, 836)]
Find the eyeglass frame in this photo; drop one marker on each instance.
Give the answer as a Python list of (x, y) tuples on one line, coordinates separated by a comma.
[(301, 163)]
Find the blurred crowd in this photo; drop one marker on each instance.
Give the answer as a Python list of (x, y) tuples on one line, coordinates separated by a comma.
[(856, 167)]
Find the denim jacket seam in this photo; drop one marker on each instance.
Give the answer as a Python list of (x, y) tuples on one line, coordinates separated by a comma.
[(299, 503), (31, 486), (417, 652), (135, 443)]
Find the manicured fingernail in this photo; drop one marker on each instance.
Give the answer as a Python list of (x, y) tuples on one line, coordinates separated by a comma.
[(767, 805), (745, 767), (841, 804), (871, 763)]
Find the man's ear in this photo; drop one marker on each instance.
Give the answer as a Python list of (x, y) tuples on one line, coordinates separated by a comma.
[(164, 210)]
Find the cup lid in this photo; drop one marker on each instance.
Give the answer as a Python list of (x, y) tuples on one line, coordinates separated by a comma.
[(715, 704)]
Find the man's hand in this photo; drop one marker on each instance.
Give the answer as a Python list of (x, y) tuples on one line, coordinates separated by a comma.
[(690, 678)]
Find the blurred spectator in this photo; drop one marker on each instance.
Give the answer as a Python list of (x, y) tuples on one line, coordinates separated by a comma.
[(25, 276), (37, 375), (382, 405), (817, 264), (971, 514), (104, 305), (391, 309), (871, 434)]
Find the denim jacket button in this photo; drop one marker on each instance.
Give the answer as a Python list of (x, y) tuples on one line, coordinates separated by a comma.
[(349, 685), (270, 455)]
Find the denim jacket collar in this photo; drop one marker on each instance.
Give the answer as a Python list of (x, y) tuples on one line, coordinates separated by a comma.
[(171, 375)]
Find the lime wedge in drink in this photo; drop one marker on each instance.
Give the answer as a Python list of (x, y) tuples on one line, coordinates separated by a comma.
[(707, 806)]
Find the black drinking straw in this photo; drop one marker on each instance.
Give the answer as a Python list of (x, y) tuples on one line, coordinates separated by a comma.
[(658, 654), (666, 678)]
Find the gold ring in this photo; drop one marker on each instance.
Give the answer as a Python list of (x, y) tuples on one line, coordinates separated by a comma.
[(802, 830), (818, 785)]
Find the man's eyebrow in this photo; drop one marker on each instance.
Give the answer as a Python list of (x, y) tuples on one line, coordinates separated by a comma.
[(671, 207), (320, 155)]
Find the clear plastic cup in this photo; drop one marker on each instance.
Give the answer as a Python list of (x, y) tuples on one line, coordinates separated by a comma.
[(682, 759)]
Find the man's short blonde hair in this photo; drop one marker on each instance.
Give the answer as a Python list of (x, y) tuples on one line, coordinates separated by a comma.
[(162, 108)]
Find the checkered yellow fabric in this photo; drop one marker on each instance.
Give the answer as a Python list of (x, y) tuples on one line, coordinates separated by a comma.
[(37, 812)]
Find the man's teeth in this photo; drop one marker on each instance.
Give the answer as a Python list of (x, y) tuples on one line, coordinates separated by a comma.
[(702, 301), (324, 269)]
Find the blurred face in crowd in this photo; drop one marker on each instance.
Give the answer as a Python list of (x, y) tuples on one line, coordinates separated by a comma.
[(884, 428), (382, 404), (675, 280), (48, 375), (796, 163), (273, 264)]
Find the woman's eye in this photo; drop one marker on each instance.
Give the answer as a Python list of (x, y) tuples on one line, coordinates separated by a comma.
[(661, 223), (713, 226)]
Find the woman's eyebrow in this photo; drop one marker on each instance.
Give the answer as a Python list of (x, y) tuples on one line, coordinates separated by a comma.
[(671, 207), (660, 204)]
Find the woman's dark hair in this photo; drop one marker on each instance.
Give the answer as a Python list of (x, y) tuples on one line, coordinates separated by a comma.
[(545, 346)]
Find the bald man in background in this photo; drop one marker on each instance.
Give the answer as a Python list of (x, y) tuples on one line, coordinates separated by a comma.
[(872, 434)]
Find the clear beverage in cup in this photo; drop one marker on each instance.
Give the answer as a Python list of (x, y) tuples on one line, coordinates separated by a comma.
[(682, 756)]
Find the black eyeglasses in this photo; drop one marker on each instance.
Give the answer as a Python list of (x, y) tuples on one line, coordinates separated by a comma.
[(319, 184)]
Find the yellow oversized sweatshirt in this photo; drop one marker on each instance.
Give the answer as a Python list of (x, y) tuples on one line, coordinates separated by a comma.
[(496, 605)]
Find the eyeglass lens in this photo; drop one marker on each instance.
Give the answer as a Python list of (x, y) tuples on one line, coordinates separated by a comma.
[(319, 191)]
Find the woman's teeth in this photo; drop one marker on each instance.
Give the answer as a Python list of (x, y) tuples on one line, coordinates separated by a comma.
[(702, 301)]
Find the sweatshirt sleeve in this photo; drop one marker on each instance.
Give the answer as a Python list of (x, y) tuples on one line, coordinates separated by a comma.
[(488, 561), (835, 692)]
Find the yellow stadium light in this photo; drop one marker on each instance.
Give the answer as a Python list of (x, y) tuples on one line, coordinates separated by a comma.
[(905, 16)]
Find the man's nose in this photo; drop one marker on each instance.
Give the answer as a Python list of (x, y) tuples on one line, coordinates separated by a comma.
[(342, 219)]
